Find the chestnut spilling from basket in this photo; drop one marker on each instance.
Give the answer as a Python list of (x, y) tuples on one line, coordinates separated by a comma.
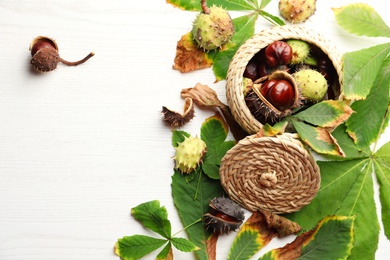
[(287, 74), (279, 71)]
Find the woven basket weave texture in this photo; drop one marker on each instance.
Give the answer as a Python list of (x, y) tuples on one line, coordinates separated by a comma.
[(270, 173), (234, 78)]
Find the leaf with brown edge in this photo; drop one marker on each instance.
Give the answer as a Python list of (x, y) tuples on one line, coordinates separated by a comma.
[(189, 57), (328, 113), (253, 235), (332, 238), (318, 138)]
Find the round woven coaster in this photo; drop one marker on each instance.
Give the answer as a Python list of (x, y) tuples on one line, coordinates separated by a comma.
[(234, 79), (271, 173)]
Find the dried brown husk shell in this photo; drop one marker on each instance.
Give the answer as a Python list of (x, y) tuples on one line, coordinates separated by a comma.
[(261, 108), (175, 119), (223, 225)]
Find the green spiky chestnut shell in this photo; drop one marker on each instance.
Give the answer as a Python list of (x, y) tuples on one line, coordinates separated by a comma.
[(297, 11), (213, 29), (311, 84), (300, 51), (189, 154)]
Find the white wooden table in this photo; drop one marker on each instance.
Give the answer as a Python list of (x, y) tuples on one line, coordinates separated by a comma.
[(80, 146)]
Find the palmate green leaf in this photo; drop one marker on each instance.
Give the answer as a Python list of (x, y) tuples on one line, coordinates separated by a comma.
[(183, 244), (347, 190), (360, 70), (331, 239), (137, 246), (234, 5), (361, 19), (364, 126), (328, 113), (318, 138), (245, 28), (153, 217), (191, 199), (382, 171)]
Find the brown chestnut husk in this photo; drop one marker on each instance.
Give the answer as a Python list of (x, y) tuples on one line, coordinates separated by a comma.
[(224, 216), (45, 55), (261, 107)]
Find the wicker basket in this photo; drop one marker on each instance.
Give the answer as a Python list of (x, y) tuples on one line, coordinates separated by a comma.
[(270, 173), (234, 79)]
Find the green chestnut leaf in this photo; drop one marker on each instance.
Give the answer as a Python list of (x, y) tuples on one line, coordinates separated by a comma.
[(318, 138), (214, 132), (360, 70), (178, 136), (328, 113), (347, 189), (183, 244), (371, 111), (361, 19), (137, 246), (382, 171), (153, 217), (191, 199)]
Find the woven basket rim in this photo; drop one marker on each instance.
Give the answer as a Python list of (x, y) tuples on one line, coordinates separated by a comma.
[(252, 158), (234, 79)]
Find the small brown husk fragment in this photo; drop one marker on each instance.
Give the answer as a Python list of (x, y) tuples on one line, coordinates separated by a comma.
[(205, 97), (175, 119)]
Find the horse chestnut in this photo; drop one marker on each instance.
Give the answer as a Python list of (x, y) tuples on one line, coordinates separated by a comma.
[(251, 70), (266, 86), (278, 53), (281, 95)]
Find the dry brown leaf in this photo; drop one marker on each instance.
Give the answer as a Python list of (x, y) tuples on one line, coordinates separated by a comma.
[(189, 56)]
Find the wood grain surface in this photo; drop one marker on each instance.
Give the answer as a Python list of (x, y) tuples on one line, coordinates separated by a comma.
[(80, 146)]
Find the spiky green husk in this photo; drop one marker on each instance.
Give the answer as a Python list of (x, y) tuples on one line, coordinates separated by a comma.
[(312, 84), (297, 11), (214, 29), (300, 50), (189, 154)]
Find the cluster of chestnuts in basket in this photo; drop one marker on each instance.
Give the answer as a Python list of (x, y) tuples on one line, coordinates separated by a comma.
[(286, 75)]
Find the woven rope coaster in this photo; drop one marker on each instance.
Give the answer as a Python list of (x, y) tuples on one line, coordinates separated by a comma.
[(270, 173), (234, 79)]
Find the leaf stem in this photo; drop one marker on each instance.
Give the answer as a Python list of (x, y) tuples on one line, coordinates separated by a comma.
[(190, 225)]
